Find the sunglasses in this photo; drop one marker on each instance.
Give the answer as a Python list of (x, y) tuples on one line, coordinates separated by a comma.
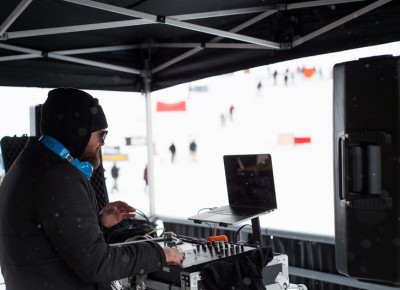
[(103, 135)]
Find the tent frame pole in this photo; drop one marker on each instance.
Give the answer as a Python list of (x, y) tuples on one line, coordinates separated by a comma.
[(149, 129)]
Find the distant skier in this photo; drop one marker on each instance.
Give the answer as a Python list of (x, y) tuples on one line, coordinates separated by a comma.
[(146, 178), (222, 119), (259, 86), (115, 174), (231, 110), (172, 149), (193, 149)]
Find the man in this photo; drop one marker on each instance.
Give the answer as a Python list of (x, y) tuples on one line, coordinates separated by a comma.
[(50, 231)]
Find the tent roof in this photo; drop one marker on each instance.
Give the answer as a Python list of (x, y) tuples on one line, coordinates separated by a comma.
[(113, 45)]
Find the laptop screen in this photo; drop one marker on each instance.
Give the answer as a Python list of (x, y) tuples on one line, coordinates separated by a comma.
[(250, 181)]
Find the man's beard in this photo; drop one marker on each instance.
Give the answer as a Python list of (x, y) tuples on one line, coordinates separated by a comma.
[(93, 158)]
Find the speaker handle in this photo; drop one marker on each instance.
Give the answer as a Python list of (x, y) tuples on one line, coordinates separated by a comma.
[(366, 149), (343, 188)]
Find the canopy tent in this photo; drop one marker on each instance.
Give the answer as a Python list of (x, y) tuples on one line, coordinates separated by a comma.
[(144, 46), (112, 45)]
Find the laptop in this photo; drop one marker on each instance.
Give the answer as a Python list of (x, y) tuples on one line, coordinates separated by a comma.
[(251, 190)]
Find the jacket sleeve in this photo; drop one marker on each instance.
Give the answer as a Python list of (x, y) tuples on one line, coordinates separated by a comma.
[(69, 219)]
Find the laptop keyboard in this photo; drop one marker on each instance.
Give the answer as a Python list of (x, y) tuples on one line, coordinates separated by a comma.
[(229, 210), (223, 210)]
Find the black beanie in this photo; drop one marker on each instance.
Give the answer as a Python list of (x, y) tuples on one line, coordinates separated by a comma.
[(70, 116)]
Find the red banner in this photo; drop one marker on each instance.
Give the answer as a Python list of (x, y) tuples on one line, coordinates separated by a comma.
[(175, 107), (302, 140)]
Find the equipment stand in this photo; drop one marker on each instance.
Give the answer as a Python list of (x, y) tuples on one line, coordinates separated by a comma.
[(255, 223)]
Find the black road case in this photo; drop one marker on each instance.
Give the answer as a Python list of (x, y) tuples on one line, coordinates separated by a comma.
[(366, 120)]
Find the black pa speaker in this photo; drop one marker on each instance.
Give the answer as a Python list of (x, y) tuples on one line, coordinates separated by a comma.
[(367, 168)]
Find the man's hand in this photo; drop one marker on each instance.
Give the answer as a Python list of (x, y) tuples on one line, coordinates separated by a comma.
[(173, 256), (115, 212)]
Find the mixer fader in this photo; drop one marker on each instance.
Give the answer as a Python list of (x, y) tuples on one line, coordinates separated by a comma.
[(199, 254)]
